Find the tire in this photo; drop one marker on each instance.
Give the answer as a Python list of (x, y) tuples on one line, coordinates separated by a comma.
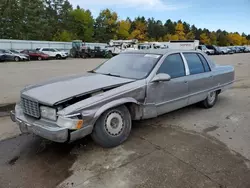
[(58, 56), (16, 59), (113, 127), (39, 58), (210, 101)]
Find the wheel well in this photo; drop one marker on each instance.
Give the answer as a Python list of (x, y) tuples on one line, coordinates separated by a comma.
[(135, 110), (218, 91)]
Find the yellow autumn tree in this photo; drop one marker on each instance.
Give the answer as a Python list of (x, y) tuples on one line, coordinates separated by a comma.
[(204, 39), (123, 29), (234, 39), (167, 37), (140, 31), (179, 31), (244, 41)]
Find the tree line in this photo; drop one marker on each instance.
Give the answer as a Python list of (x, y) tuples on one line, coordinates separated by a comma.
[(58, 20)]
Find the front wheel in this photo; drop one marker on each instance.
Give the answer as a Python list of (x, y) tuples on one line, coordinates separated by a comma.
[(211, 99), (58, 56), (113, 127), (39, 58)]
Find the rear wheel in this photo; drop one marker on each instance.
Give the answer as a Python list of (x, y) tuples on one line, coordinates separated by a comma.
[(211, 99), (39, 58), (113, 127), (17, 59)]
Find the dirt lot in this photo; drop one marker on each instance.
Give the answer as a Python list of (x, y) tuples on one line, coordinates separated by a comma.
[(191, 147)]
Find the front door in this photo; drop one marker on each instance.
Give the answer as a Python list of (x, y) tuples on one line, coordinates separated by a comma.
[(173, 94)]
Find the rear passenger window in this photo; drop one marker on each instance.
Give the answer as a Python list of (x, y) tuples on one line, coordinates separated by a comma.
[(204, 61), (173, 65), (194, 63)]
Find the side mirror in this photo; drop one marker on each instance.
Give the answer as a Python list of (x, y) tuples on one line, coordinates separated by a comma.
[(161, 77)]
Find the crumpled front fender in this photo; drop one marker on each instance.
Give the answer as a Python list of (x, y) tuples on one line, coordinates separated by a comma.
[(113, 104)]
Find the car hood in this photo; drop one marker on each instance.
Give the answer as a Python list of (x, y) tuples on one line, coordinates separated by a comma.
[(62, 89)]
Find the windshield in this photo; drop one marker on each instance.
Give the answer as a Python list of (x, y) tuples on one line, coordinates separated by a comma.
[(135, 66), (14, 51)]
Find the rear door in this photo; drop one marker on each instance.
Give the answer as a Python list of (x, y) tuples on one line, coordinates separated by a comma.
[(200, 80), (173, 94), (47, 51)]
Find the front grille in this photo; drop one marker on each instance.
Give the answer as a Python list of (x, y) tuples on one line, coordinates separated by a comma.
[(30, 107)]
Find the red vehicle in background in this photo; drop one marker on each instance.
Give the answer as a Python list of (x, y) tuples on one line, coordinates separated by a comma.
[(36, 55)]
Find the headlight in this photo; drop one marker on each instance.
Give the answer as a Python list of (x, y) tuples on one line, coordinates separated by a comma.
[(69, 123), (48, 113)]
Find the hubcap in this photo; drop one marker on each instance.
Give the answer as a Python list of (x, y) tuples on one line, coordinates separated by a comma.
[(114, 123), (211, 97)]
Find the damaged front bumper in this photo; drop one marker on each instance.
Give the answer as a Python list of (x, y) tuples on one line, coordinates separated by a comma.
[(46, 129)]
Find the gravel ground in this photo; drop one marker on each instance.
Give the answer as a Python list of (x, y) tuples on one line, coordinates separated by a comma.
[(190, 147)]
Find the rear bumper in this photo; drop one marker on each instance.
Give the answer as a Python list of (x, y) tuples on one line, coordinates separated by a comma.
[(45, 129)]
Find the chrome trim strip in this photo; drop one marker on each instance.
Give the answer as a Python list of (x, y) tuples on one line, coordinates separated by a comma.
[(72, 115), (185, 64)]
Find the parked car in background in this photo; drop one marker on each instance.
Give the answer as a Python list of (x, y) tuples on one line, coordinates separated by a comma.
[(53, 52), (230, 51), (216, 49), (10, 56), (204, 49), (63, 50), (133, 85), (2, 57), (36, 55), (237, 49), (22, 54), (242, 48), (247, 49), (225, 50), (232, 48)]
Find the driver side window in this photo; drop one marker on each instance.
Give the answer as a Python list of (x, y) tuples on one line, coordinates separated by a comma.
[(173, 65)]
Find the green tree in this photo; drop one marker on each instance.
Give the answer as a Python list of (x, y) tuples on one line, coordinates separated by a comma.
[(213, 38), (186, 27), (170, 27), (64, 36), (31, 14), (155, 29), (82, 24), (222, 40), (105, 26), (10, 22)]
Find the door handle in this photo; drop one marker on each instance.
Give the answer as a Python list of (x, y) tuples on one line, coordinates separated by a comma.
[(185, 82)]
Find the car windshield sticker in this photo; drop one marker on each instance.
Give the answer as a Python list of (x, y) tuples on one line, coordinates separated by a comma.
[(152, 56)]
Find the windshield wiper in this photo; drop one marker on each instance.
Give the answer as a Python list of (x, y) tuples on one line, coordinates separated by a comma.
[(109, 74), (91, 71)]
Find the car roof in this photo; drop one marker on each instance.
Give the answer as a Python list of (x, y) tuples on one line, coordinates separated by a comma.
[(157, 51)]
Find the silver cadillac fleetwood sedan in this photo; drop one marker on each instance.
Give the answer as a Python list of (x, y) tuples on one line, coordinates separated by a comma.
[(133, 85)]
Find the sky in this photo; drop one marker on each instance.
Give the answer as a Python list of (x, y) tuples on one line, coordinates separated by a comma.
[(229, 15)]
